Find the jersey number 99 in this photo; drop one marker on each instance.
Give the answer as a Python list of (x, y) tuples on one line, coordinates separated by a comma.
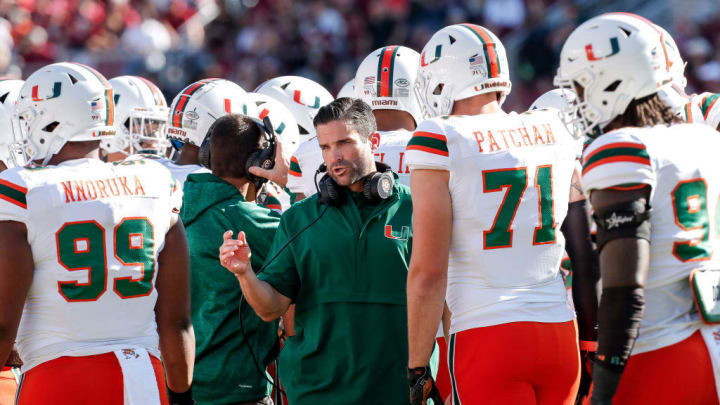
[(689, 199), (81, 246)]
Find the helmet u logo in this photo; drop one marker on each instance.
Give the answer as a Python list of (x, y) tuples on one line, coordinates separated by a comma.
[(57, 86), (614, 45), (296, 98)]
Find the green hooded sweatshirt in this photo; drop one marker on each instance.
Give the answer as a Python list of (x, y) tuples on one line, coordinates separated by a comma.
[(225, 371)]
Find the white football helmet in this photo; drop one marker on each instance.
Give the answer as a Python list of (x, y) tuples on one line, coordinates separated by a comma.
[(673, 93), (10, 154), (347, 90), (63, 102), (141, 116), (613, 59), (281, 118), (561, 100), (460, 61), (198, 105), (386, 78), (303, 97)]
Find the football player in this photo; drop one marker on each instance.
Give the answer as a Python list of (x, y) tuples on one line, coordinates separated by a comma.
[(303, 97), (141, 116), (192, 112), (92, 256), (9, 153), (385, 81), (650, 348), (9, 157), (491, 194)]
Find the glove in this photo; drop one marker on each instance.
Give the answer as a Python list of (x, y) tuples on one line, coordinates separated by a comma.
[(180, 398), (605, 383), (422, 387), (587, 356)]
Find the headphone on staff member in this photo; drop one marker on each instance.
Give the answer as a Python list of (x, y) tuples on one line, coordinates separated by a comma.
[(378, 186), (263, 156)]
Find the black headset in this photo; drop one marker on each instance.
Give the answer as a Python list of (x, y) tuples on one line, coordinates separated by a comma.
[(264, 156), (378, 186)]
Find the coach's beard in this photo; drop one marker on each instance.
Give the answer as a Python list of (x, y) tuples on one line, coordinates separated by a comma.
[(352, 172)]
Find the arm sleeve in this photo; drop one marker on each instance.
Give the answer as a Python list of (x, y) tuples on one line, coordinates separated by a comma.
[(13, 196), (585, 268), (617, 159), (281, 272), (428, 147), (294, 181)]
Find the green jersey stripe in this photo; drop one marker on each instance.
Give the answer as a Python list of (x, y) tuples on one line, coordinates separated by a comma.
[(13, 196), (620, 151)]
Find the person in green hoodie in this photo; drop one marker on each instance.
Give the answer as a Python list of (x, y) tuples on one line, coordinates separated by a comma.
[(226, 370)]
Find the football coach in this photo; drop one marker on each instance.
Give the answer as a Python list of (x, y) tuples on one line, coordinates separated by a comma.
[(342, 258)]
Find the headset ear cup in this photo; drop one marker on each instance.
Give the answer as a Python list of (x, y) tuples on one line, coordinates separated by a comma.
[(250, 162), (264, 156), (370, 187), (329, 193), (386, 182), (378, 186)]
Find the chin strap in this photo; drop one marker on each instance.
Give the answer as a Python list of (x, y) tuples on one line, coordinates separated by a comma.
[(55, 146)]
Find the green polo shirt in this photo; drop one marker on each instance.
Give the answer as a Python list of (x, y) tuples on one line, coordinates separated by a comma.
[(346, 274)]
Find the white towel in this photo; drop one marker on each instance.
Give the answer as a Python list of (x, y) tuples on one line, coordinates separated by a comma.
[(711, 334), (140, 384)]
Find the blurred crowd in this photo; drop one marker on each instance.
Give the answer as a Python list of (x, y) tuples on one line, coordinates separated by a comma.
[(175, 42)]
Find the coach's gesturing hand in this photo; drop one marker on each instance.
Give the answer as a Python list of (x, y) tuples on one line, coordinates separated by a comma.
[(235, 253)]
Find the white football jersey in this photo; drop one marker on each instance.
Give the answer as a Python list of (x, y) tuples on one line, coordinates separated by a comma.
[(510, 180), (95, 230), (680, 164), (180, 172), (703, 109), (391, 151), (273, 197), (303, 165)]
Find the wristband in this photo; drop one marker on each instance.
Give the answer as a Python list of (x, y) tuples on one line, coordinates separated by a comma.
[(180, 398)]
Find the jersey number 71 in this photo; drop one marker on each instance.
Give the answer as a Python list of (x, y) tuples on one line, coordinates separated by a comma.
[(514, 182)]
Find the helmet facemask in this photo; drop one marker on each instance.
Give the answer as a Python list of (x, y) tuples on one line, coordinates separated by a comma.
[(147, 129), (434, 96)]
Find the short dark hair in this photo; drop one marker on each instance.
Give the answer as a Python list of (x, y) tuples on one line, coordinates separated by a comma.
[(354, 110), (646, 112), (233, 138)]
